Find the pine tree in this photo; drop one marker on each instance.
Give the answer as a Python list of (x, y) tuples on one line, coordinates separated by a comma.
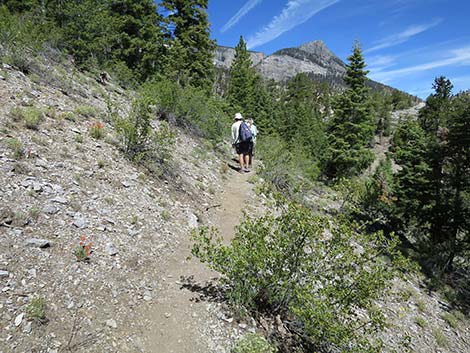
[(137, 36), (459, 178), (434, 182), (302, 123), (241, 88), (188, 35), (352, 127)]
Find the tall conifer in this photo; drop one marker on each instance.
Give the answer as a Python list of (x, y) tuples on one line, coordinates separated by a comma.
[(190, 48), (352, 127), (241, 93)]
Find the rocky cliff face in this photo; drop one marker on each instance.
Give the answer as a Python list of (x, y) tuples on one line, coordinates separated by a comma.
[(311, 58), (224, 57)]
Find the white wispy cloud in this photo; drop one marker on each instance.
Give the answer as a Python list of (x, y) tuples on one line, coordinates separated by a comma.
[(402, 37), (249, 5), (294, 13), (457, 57), (381, 62)]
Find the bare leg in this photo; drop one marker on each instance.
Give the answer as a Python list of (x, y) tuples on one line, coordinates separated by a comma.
[(247, 160), (240, 158)]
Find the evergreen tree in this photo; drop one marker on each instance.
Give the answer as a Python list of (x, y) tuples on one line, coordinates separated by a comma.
[(302, 123), (434, 183), (137, 39), (459, 178), (241, 88), (190, 48), (352, 127), (263, 109)]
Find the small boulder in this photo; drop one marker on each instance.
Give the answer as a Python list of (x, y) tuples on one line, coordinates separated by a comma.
[(192, 220), (19, 319), (111, 323), (38, 243), (111, 249)]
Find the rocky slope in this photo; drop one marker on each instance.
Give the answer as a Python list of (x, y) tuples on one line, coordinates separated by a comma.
[(60, 186)]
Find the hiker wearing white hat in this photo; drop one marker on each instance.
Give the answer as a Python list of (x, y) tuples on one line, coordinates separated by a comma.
[(241, 137)]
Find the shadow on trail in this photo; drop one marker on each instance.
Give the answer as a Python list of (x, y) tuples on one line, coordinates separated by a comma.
[(209, 291), (235, 167)]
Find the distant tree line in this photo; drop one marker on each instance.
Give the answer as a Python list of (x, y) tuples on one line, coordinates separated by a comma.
[(134, 39)]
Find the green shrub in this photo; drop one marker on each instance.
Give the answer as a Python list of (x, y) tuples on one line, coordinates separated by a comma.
[(192, 108), (36, 310), (96, 130), (134, 130), (289, 171), (421, 304), (440, 338), (16, 146), (451, 320), (317, 271), (22, 39), (70, 116), (31, 117), (253, 343), (86, 111), (421, 321), (163, 143)]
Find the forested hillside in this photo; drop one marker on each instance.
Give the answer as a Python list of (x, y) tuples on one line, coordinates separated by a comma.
[(116, 124)]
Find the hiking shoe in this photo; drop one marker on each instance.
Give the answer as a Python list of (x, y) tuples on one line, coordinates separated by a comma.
[(247, 170)]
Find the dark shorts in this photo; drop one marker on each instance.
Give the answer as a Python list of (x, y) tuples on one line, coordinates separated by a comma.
[(251, 148), (243, 147)]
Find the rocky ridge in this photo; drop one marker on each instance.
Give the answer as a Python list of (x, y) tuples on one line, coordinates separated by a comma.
[(311, 58)]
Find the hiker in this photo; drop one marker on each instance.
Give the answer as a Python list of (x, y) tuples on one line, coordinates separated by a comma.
[(241, 137), (254, 132), (104, 78)]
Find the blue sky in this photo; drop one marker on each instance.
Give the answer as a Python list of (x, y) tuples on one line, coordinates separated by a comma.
[(406, 43)]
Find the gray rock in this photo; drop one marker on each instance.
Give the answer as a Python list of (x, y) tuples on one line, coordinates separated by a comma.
[(111, 323), (133, 232), (111, 249), (126, 184), (27, 328), (4, 273), (148, 296), (41, 163), (19, 319), (50, 209), (38, 243), (60, 199), (37, 187), (79, 221), (6, 66), (192, 220)]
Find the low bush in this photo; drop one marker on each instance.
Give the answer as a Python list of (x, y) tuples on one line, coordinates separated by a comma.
[(321, 275), (31, 117), (36, 310), (192, 108), (288, 170), (87, 111), (22, 39), (96, 130), (253, 343), (16, 147)]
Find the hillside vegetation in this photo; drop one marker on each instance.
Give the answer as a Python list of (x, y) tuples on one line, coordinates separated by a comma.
[(114, 150)]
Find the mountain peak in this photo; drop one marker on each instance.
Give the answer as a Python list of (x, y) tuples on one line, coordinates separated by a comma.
[(317, 47)]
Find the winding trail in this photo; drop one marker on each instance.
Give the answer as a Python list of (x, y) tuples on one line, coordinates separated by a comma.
[(178, 316)]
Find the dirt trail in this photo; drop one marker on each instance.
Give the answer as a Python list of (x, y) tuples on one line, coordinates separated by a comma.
[(178, 317)]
